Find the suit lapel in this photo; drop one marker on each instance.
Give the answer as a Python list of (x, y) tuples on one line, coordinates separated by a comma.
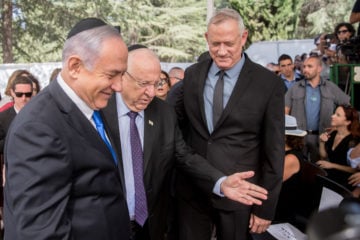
[(240, 88), (151, 130), (77, 120), (200, 90), (111, 122)]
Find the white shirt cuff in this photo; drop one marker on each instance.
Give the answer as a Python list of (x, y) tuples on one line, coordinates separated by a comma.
[(216, 189)]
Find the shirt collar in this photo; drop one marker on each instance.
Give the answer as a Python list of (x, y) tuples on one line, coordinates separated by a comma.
[(122, 108), (233, 72), (84, 108)]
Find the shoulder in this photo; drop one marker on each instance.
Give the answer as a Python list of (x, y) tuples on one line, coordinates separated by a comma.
[(249, 65), (7, 112), (330, 85), (262, 76), (40, 110), (160, 106), (292, 158), (199, 66)]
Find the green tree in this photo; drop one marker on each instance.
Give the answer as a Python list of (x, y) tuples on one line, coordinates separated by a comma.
[(268, 19), (173, 29), (322, 16), (34, 31), (6, 17), (39, 27)]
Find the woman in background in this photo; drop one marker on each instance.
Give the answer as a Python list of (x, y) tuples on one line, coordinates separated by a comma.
[(353, 157), (163, 87), (289, 198), (334, 145)]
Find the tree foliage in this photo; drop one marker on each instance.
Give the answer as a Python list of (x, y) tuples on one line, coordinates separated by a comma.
[(268, 19), (322, 16), (173, 28)]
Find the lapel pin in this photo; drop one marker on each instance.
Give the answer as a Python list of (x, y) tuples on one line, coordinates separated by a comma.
[(151, 123)]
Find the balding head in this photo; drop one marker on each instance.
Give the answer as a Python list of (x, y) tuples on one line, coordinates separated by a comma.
[(143, 74), (143, 59), (176, 74)]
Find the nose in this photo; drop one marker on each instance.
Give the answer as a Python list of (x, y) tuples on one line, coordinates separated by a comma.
[(117, 83), (222, 49), (150, 91)]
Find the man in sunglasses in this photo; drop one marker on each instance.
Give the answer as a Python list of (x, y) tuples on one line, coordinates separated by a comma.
[(21, 92)]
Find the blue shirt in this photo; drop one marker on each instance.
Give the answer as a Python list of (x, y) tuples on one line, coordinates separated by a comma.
[(230, 78), (124, 129), (288, 83), (312, 106)]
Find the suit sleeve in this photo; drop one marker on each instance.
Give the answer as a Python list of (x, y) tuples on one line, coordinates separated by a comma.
[(38, 182), (272, 152), (193, 164)]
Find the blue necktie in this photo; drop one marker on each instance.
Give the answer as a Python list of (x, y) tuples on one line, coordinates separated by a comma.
[(100, 128), (141, 211)]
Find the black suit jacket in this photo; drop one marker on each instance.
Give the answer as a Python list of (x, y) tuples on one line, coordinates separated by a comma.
[(6, 118), (164, 148), (248, 136), (61, 181)]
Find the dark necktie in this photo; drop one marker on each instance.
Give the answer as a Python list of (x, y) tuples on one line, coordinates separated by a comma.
[(100, 128), (141, 212), (218, 97)]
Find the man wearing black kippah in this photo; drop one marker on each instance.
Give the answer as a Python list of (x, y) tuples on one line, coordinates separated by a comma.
[(62, 178)]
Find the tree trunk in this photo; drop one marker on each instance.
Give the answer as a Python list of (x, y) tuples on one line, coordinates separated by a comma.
[(210, 10), (7, 31)]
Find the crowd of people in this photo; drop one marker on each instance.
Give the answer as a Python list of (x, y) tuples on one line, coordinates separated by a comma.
[(117, 148)]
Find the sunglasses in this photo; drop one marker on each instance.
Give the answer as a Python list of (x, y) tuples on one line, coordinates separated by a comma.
[(342, 31), (20, 94)]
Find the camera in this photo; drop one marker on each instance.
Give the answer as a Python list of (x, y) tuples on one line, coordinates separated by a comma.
[(329, 40), (350, 49)]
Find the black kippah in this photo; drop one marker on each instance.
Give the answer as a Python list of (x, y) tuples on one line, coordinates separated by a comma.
[(135, 46), (85, 24)]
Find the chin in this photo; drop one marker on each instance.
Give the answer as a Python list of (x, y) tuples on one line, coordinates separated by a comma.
[(102, 104), (223, 64)]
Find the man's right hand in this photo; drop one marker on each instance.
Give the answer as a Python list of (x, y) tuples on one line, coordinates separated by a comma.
[(236, 188)]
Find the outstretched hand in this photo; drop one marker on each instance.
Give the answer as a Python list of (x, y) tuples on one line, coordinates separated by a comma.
[(236, 188)]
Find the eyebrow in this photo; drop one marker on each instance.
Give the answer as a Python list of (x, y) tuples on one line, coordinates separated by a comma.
[(114, 72)]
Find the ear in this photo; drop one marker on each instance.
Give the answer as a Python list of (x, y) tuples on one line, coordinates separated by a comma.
[(12, 93), (74, 64), (347, 122), (244, 37)]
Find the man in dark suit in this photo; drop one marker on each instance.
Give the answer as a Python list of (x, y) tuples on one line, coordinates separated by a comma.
[(61, 176), (161, 144), (246, 135)]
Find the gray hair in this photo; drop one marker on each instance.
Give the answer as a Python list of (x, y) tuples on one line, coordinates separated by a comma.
[(226, 14), (87, 44)]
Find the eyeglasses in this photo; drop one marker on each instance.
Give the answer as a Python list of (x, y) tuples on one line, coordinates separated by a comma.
[(162, 82), (144, 84), (342, 31), (20, 94), (177, 78)]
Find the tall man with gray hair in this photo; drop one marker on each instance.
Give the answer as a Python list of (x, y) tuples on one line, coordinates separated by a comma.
[(235, 113)]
